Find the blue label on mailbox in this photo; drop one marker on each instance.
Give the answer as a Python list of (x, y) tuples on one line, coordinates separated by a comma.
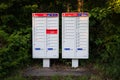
[(52, 14), (37, 48), (49, 14), (50, 48), (79, 14), (79, 49), (55, 14), (66, 48), (83, 14)]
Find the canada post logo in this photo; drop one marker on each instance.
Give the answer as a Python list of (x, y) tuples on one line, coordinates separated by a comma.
[(83, 14), (52, 15)]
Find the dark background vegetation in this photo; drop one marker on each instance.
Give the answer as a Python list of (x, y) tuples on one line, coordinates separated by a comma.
[(16, 28)]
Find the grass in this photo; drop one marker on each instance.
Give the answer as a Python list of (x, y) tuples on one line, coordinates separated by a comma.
[(56, 77), (17, 77)]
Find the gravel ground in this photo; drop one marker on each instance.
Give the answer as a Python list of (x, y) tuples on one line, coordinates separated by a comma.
[(55, 70)]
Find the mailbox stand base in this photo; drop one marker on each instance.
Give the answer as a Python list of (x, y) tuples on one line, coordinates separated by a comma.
[(46, 62), (75, 63)]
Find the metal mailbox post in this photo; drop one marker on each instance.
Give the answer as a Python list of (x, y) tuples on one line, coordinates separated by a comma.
[(75, 36), (45, 36)]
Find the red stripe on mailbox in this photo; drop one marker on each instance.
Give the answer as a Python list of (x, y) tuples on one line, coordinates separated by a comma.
[(70, 14), (51, 31), (39, 14)]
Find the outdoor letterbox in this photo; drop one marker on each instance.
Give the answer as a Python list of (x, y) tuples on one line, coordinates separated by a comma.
[(75, 35), (45, 35)]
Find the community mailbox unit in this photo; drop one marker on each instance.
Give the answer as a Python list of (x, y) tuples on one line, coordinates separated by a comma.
[(45, 36), (75, 35)]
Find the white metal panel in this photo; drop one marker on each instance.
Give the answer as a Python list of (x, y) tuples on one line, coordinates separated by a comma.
[(75, 35), (39, 37), (68, 37), (83, 32), (53, 39), (45, 35)]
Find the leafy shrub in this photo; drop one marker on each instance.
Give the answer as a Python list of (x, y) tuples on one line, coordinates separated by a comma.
[(16, 53), (105, 39)]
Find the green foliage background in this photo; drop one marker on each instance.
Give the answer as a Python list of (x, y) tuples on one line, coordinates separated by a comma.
[(16, 24)]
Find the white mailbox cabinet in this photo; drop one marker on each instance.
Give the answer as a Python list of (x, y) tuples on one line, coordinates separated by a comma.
[(75, 35), (45, 35)]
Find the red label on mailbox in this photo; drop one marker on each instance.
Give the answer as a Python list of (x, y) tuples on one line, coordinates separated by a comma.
[(39, 14), (75, 14), (51, 31), (45, 14), (70, 14)]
